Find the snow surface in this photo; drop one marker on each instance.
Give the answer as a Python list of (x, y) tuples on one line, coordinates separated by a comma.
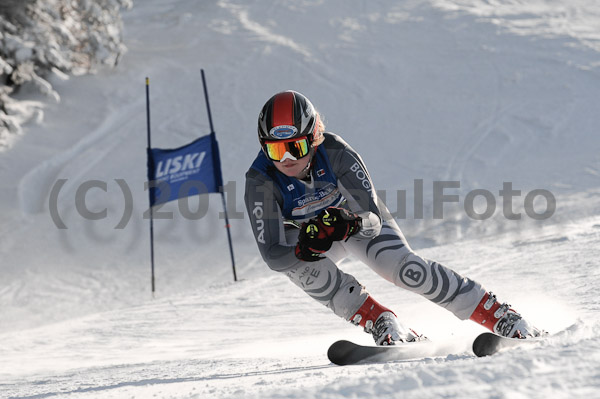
[(480, 92)]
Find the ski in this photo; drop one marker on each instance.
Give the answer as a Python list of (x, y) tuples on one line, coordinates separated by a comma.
[(344, 353), (489, 343)]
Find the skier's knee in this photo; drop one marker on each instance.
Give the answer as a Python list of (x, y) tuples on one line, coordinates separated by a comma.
[(326, 284)]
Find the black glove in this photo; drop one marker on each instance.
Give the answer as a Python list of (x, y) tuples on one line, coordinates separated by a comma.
[(312, 242), (338, 223), (318, 234), (306, 254)]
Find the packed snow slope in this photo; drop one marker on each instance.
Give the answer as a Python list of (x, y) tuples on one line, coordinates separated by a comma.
[(471, 92)]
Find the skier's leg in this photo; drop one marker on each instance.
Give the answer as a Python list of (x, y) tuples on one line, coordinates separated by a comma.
[(390, 256), (328, 285), (347, 298)]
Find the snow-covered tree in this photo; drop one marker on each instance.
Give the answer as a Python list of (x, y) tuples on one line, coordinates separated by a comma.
[(43, 37)]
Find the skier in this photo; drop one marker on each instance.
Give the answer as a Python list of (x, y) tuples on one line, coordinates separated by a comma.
[(311, 202)]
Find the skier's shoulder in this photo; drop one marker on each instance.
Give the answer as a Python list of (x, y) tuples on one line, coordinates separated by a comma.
[(259, 181), (334, 141), (261, 169), (338, 150)]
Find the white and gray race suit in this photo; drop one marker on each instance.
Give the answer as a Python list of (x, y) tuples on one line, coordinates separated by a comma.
[(339, 177)]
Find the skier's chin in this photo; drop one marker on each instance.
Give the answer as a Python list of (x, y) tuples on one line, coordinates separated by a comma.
[(292, 172), (291, 168)]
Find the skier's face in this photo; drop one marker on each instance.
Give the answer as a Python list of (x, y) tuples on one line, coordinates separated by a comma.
[(293, 168)]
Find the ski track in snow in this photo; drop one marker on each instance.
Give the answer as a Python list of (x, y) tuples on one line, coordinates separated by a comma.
[(79, 159), (476, 91)]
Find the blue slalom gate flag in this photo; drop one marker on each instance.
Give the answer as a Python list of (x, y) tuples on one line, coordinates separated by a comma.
[(176, 173), (181, 172)]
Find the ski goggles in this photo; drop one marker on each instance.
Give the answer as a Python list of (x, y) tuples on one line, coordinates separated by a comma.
[(294, 149)]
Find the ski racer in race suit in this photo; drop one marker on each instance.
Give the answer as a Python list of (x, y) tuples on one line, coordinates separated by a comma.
[(312, 202)]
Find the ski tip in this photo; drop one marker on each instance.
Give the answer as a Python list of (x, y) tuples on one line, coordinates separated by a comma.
[(489, 343), (339, 352), (486, 344)]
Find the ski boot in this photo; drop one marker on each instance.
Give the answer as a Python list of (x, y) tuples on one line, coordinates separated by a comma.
[(502, 320), (382, 324)]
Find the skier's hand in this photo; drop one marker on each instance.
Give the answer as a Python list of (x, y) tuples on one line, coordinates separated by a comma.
[(312, 242), (306, 254), (318, 234), (338, 223)]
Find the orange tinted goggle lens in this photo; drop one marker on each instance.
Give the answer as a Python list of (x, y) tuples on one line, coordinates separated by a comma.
[(297, 148)]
